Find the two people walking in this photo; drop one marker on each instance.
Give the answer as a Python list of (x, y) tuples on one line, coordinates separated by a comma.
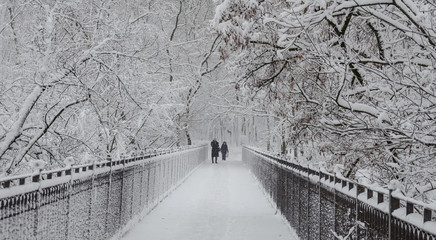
[(216, 149)]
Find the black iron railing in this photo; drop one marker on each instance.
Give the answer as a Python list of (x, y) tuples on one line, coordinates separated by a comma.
[(94, 201), (322, 206)]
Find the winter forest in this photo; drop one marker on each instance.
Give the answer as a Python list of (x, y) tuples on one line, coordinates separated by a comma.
[(347, 86)]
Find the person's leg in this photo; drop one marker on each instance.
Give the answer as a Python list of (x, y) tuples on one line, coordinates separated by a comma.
[(212, 157)]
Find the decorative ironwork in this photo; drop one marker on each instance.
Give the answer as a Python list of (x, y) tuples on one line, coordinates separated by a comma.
[(319, 205), (94, 201)]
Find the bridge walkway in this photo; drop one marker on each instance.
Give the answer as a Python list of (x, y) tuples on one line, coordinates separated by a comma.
[(218, 201)]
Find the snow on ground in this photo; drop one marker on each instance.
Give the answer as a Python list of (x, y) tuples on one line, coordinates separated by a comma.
[(218, 201)]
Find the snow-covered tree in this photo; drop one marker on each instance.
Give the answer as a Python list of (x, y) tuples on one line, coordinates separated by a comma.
[(85, 79), (353, 79)]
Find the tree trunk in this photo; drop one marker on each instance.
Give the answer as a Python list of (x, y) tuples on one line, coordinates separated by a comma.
[(283, 142), (188, 137)]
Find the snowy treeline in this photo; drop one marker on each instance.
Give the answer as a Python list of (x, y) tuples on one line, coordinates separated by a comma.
[(350, 82), (87, 78)]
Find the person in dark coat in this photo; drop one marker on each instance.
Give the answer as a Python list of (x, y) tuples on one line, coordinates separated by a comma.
[(224, 150), (215, 150)]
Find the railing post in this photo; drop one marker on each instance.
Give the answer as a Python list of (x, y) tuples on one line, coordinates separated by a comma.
[(393, 205), (37, 178), (141, 187), (166, 175), (70, 189), (147, 199), (308, 205), (390, 215), (90, 224), (121, 194), (334, 205), (132, 194), (359, 190), (160, 181), (179, 168), (153, 193), (108, 198), (299, 204), (320, 206)]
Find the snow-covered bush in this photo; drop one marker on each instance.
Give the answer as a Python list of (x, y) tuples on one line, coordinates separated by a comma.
[(69, 161), (37, 165)]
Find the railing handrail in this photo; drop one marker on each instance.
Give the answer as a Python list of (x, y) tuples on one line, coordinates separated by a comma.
[(355, 189), (55, 175)]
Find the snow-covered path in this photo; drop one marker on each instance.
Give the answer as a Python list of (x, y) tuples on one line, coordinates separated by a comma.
[(218, 201)]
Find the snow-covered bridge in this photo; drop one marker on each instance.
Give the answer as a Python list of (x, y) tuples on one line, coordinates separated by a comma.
[(218, 201), (138, 198), (349, 84)]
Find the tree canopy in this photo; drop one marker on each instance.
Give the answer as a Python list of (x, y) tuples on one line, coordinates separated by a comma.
[(353, 80)]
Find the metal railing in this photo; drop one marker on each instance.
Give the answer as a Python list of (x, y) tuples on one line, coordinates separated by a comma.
[(93, 201), (323, 206)]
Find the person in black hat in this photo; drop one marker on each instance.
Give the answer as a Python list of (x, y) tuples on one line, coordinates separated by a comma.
[(215, 150)]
